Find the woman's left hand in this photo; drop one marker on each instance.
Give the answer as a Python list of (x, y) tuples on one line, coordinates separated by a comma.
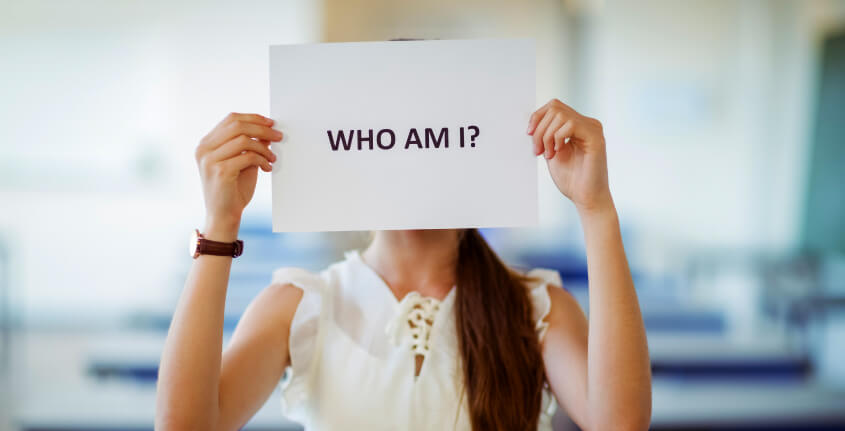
[(574, 148)]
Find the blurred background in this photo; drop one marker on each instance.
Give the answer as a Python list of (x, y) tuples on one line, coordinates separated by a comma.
[(725, 123)]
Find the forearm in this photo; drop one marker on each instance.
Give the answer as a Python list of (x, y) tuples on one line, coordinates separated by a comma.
[(189, 373), (618, 375)]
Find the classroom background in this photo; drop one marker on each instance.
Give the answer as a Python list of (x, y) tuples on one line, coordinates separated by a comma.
[(725, 123)]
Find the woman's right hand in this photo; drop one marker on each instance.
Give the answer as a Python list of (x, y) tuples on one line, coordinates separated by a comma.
[(229, 158)]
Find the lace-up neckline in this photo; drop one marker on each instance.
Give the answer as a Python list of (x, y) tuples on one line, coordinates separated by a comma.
[(413, 320)]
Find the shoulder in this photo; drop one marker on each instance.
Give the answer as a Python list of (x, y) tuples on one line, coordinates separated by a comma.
[(543, 276), (302, 295), (566, 319), (278, 302), (554, 307), (547, 283), (564, 306), (544, 286), (294, 285), (300, 278)]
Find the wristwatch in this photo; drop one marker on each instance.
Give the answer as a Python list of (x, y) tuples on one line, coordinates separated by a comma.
[(200, 245)]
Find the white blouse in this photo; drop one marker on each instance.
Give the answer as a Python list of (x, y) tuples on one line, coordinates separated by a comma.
[(353, 351)]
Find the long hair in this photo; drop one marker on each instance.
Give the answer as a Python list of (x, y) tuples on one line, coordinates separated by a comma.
[(502, 364)]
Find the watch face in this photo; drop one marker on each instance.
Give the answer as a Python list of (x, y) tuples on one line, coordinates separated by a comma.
[(192, 247)]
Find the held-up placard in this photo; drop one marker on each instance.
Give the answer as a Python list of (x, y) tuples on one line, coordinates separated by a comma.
[(403, 135)]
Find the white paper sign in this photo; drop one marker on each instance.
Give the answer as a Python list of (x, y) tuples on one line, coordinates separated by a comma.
[(403, 135)]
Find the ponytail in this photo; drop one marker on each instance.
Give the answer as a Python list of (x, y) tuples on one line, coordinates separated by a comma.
[(502, 364)]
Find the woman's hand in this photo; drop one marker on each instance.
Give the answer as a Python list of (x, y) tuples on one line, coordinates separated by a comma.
[(573, 146), (229, 158)]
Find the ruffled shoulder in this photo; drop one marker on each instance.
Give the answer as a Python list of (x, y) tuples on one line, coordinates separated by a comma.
[(304, 342), (539, 295), (541, 304)]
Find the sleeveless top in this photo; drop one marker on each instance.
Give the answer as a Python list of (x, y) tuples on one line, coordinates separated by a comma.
[(354, 347)]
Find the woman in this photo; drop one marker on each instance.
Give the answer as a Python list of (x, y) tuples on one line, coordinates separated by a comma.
[(469, 343)]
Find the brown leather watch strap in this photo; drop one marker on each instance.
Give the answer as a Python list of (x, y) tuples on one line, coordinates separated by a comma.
[(217, 248)]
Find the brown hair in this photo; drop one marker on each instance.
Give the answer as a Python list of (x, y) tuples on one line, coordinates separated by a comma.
[(502, 364)]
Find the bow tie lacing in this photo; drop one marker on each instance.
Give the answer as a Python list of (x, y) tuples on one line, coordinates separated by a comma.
[(414, 317)]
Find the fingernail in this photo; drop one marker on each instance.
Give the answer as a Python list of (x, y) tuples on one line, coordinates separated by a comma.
[(528, 131), (548, 155), (277, 134), (269, 120)]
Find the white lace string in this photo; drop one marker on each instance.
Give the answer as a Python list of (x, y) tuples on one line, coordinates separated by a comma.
[(413, 318)]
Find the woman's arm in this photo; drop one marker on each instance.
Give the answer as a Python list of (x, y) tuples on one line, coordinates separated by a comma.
[(198, 388), (601, 374)]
